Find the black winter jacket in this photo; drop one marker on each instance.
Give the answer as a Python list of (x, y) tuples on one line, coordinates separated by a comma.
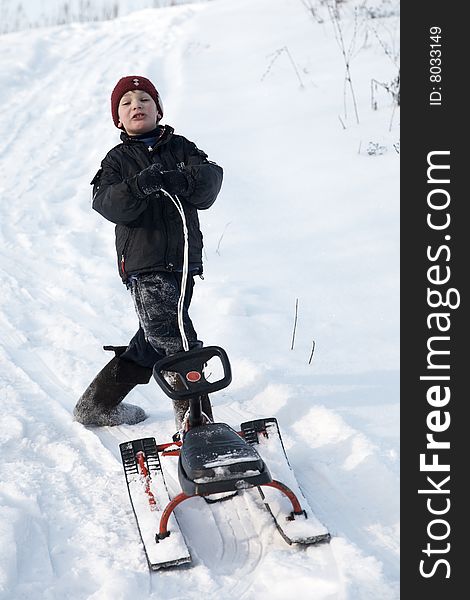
[(149, 232)]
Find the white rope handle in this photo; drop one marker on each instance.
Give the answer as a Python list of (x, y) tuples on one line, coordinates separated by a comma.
[(179, 207)]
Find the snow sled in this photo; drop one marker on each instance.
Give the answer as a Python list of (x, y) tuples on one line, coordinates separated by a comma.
[(215, 462)]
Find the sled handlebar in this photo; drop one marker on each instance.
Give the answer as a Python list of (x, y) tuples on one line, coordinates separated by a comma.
[(193, 373)]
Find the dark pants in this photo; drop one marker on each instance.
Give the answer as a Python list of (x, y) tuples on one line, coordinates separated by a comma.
[(155, 297)]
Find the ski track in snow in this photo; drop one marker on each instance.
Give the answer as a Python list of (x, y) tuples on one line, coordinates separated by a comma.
[(66, 524)]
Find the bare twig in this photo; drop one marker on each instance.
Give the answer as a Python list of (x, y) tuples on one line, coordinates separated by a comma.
[(276, 55), (346, 54), (294, 66), (217, 250), (312, 10), (311, 354), (391, 118), (393, 88), (295, 322), (385, 48)]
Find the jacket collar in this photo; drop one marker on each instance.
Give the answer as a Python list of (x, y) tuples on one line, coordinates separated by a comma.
[(163, 133)]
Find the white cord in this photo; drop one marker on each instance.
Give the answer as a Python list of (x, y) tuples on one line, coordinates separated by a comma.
[(176, 201)]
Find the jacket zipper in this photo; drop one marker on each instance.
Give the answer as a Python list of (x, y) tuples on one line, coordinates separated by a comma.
[(123, 255), (168, 265)]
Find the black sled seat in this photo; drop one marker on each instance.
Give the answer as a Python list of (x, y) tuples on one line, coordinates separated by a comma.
[(215, 459)]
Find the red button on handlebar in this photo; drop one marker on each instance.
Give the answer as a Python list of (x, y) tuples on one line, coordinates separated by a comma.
[(193, 376)]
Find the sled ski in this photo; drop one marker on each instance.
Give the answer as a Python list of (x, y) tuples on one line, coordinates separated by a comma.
[(304, 529), (149, 498)]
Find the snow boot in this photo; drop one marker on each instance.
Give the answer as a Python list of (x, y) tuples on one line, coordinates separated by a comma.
[(101, 403)]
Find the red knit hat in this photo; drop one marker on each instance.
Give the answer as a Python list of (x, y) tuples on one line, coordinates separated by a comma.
[(134, 82)]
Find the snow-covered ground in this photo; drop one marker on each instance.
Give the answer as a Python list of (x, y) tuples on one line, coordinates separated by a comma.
[(16, 15), (308, 211)]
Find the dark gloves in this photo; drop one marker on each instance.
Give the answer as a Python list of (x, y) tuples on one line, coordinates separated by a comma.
[(151, 180)]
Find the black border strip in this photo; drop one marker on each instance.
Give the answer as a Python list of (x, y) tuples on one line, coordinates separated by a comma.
[(431, 125)]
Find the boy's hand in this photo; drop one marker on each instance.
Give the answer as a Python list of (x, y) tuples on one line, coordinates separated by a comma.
[(151, 180)]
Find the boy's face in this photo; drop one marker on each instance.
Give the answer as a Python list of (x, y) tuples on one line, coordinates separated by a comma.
[(137, 112)]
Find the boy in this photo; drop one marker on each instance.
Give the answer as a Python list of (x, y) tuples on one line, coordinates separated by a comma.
[(129, 190)]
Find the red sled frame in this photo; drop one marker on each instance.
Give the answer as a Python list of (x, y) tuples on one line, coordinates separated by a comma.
[(173, 449)]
